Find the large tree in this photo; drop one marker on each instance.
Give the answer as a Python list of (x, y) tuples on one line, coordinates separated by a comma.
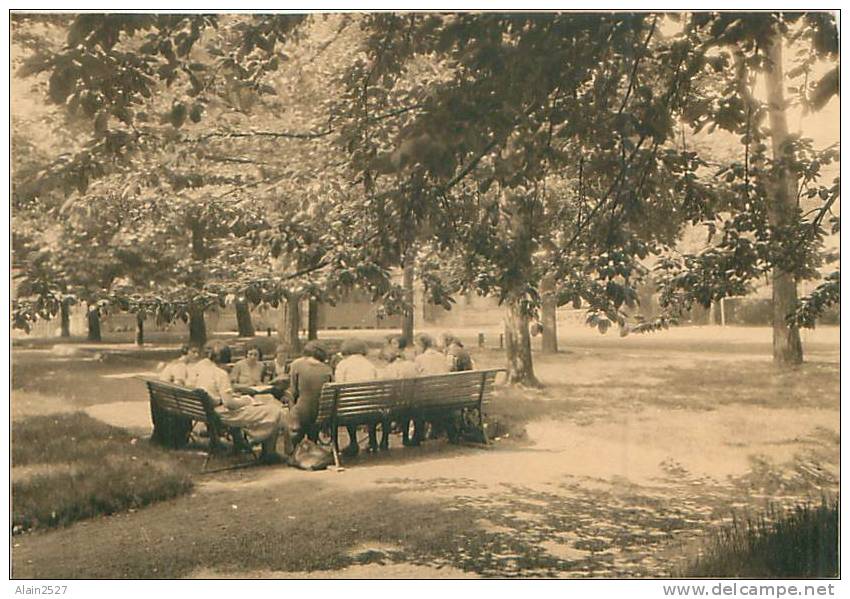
[(777, 207), (538, 148)]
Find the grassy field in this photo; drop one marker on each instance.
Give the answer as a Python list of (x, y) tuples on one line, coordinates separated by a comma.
[(635, 455)]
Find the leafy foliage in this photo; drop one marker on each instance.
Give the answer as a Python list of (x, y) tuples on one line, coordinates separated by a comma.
[(270, 156)]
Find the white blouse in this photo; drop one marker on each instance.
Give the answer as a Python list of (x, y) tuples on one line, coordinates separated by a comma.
[(354, 369), (209, 377)]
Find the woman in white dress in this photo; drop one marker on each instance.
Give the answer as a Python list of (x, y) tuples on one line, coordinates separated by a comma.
[(169, 429), (260, 419), (248, 373)]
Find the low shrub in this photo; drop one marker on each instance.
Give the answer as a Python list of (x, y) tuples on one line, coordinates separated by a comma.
[(798, 543)]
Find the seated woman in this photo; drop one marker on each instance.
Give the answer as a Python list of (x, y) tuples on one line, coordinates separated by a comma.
[(248, 372), (354, 367), (278, 371), (175, 372), (170, 430), (458, 358), (260, 419), (307, 376), (428, 359), (400, 367)]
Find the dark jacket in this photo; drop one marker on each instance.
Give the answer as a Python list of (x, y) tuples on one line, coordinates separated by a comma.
[(307, 376)]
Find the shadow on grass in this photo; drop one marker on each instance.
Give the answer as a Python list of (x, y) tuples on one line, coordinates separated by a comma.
[(511, 408), (813, 384)]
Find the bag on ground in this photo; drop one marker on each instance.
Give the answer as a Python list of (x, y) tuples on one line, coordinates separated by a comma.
[(310, 456)]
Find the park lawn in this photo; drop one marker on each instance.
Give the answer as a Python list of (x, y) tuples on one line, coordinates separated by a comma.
[(236, 530), (68, 467), (80, 380)]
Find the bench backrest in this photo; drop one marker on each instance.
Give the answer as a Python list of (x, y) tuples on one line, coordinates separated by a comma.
[(387, 397), (195, 403)]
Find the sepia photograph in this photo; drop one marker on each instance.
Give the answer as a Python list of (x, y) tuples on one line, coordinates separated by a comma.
[(416, 294)]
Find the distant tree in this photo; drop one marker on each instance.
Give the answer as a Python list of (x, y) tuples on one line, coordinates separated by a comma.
[(158, 140)]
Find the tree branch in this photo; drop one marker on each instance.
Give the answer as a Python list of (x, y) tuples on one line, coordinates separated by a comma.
[(638, 58), (270, 134), (216, 158), (822, 212)]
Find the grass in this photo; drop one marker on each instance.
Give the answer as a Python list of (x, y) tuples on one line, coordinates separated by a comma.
[(800, 543), (296, 526), (79, 382), (303, 525), (75, 467), (812, 384), (511, 409)]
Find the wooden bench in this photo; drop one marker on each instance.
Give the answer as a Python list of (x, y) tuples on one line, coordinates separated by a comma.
[(425, 397), (175, 410)]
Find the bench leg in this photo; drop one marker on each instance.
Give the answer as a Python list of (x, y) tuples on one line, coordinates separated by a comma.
[(214, 436), (335, 446), (206, 461), (484, 438)]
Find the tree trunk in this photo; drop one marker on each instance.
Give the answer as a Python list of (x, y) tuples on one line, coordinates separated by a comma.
[(140, 329), (549, 315), (65, 316), (407, 283), (199, 246), (243, 319), (518, 346), (787, 348), (197, 326), (290, 323), (313, 319), (94, 325)]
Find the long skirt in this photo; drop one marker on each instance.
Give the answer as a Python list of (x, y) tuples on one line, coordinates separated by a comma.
[(260, 422)]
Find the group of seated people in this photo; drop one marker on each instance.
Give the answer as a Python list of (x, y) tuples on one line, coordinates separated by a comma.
[(352, 366), (292, 405), (199, 367)]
